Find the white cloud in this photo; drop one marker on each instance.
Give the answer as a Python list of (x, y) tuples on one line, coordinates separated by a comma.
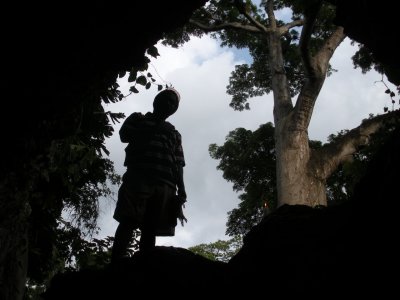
[(200, 71)]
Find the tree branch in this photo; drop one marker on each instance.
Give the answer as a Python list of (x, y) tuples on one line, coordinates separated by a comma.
[(313, 79), (325, 53), (315, 70), (242, 9), (285, 28), (310, 17), (270, 12), (324, 161), (232, 25)]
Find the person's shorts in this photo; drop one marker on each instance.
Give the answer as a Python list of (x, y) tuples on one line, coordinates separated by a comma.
[(145, 203)]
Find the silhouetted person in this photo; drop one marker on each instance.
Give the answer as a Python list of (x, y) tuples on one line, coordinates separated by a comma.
[(152, 192)]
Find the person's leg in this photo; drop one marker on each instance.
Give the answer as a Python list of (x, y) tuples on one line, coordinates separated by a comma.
[(147, 230), (147, 239), (123, 236)]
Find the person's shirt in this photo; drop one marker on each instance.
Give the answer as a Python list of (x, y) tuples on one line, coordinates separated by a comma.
[(154, 148)]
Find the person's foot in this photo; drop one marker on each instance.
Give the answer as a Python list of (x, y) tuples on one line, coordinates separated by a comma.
[(147, 242)]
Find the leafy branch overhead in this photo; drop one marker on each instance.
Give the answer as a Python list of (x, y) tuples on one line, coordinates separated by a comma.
[(139, 75), (391, 95)]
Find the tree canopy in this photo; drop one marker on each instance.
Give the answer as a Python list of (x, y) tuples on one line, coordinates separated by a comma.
[(221, 250), (244, 24)]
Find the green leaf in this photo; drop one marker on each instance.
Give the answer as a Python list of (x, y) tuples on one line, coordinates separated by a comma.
[(132, 76), (77, 147), (105, 99), (133, 89), (121, 74), (153, 51), (144, 66), (105, 149), (141, 80)]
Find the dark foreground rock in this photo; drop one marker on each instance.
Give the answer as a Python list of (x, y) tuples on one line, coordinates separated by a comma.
[(164, 271)]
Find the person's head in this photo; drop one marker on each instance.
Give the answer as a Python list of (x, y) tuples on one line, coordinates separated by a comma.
[(166, 102)]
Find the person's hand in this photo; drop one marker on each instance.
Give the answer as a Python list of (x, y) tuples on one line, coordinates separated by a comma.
[(181, 216), (182, 197)]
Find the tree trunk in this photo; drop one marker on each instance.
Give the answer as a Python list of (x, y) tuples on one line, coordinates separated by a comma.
[(296, 184)]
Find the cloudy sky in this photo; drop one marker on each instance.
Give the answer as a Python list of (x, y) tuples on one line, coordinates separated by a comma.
[(200, 71)]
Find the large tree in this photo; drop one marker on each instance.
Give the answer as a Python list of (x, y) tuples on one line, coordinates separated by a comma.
[(291, 60), (247, 159)]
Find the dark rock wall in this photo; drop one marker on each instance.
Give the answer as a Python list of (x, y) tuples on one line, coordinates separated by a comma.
[(373, 24)]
